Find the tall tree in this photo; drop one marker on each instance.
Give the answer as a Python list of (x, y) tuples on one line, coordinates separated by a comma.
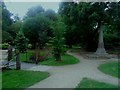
[(58, 39), (36, 29)]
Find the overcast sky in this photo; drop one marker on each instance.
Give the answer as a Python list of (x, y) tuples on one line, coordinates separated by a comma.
[(21, 8)]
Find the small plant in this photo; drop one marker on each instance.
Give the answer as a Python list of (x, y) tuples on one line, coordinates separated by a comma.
[(21, 47), (21, 42)]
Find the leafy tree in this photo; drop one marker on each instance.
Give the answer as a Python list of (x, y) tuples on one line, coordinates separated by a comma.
[(21, 42), (58, 40), (36, 29), (6, 18), (15, 27), (6, 21), (36, 25), (6, 37), (79, 26)]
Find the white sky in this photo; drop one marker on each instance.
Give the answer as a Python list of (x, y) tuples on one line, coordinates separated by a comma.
[(21, 8)]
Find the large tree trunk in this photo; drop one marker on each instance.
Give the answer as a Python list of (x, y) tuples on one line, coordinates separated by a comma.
[(18, 64), (101, 50), (10, 52)]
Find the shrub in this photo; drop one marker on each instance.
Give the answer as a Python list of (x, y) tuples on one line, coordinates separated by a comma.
[(21, 42), (4, 46)]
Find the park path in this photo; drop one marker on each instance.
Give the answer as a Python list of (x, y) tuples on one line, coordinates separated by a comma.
[(70, 75)]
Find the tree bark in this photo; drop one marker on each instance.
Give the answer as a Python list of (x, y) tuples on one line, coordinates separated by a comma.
[(9, 53), (18, 64)]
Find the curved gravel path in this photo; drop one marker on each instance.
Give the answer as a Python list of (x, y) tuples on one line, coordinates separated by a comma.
[(70, 75)]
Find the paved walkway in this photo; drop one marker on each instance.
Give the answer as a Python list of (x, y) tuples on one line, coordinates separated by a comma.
[(69, 76)]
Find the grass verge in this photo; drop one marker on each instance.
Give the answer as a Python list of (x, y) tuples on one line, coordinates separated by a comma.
[(89, 83), (20, 79), (66, 60), (111, 68)]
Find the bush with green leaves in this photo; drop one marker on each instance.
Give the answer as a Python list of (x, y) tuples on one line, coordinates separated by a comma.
[(4, 46), (57, 41), (21, 42)]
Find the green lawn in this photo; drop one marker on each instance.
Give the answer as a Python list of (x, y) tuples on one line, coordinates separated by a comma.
[(111, 68), (23, 55), (89, 83), (66, 60), (21, 79)]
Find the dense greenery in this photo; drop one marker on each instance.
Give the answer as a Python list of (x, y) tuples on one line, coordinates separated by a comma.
[(65, 60), (89, 83), (21, 79), (83, 21), (6, 22), (74, 24), (110, 68)]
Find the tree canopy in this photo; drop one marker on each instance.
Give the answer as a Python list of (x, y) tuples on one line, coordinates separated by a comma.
[(36, 25), (83, 21)]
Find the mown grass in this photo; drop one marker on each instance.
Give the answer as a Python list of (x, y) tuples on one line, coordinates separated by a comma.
[(25, 56), (111, 68), (89, 83), (66, 60), (20, 79)]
